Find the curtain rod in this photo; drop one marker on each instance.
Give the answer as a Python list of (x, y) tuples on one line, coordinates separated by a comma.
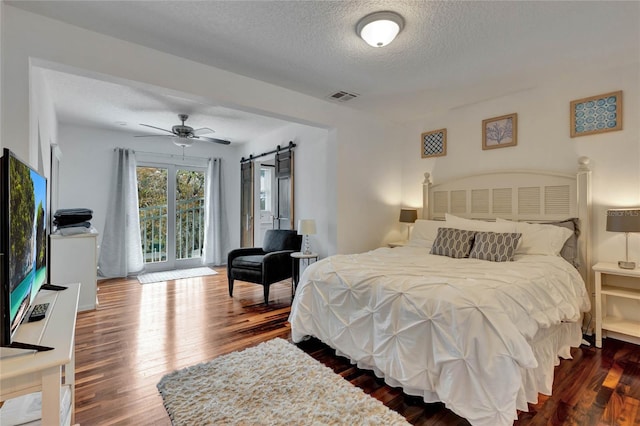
[(278, 149), (179, 156)]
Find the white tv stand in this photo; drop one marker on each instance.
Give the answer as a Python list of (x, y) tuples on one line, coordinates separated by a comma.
[(26, 372)]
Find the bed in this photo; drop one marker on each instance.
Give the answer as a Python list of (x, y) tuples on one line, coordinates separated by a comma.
[(481, 336)]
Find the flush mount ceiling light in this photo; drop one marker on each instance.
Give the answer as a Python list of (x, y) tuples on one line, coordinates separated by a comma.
[(380, 28)]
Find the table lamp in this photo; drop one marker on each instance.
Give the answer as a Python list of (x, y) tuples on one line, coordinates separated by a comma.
[(306, 227), (624, 220), (408, 216)]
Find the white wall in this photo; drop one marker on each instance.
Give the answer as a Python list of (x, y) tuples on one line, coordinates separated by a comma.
[(311, 191), (356, 142), (544, 142), (88, 161), (43, 123)]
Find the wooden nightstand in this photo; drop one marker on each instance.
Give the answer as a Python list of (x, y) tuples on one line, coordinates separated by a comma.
[(604, 290)]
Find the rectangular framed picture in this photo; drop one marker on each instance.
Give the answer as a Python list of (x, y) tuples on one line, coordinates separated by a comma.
[(499, 132), (434, 143), (596, 114)]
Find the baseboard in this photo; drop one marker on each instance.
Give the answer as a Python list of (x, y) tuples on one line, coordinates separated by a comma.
[(623, 337)]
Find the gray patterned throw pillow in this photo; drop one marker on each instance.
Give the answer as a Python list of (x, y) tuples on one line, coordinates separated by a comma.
[(453, 242), (495, 247)]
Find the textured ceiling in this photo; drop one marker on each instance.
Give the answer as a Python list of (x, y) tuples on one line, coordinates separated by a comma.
[(95, 103), (312, 47)]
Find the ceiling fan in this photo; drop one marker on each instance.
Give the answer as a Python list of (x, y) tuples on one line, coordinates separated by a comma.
[(184, 135)]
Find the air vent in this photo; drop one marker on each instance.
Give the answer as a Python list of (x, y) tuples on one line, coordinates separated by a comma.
[(342, 96)]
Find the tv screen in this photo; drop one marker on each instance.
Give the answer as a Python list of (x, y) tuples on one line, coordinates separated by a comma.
[(24, 240)]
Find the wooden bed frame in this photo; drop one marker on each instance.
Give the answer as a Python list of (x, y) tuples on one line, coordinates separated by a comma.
[(521, 195)]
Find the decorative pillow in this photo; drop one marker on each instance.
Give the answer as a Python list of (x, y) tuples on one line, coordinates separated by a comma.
[(539, 238), (570, 248), (495, 247), (453, 242), (424, 233), (479, 225)]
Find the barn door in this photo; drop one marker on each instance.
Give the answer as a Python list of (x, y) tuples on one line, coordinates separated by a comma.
[(284, 191), (246, 204)]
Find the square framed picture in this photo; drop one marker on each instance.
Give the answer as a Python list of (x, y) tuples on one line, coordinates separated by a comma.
[(434, 143), (499, 132), (596, 114)]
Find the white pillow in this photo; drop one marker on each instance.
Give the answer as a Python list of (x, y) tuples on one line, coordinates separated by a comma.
[(538, 238), (479, 225), (424, 233)]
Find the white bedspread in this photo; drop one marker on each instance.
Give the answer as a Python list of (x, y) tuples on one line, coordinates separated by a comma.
[(450, 330)]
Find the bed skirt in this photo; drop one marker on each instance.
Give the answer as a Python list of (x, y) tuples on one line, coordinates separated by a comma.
[(549, 345)]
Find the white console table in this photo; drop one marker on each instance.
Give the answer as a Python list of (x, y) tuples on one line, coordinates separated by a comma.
[(26, 372)]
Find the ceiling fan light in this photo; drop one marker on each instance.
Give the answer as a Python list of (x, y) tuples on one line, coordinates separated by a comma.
[(182, 141), (380, 28)]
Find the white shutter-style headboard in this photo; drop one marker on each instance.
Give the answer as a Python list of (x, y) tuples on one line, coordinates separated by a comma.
[(531, 195), (516, 195)]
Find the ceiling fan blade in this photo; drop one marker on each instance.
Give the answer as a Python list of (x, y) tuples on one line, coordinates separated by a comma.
[(220, 141), (155, 136), (203, 131), (158, 128)]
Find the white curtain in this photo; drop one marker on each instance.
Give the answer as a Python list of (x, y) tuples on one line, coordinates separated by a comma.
[(215, 247), (121, 249)]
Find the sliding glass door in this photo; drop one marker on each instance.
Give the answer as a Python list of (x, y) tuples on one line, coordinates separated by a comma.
[(171, 208)]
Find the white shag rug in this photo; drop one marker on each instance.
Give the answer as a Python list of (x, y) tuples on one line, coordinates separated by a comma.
[(274, 383), (176, 274)]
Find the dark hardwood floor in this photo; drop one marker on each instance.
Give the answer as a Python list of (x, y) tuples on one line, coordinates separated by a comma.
[(141, 332)]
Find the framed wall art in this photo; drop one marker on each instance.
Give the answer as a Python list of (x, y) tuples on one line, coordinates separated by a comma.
[(596, 114), (499, 132), (434, 143)]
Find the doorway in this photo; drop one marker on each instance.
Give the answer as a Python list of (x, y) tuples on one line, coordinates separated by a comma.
[(266, 200), (266, 196), (284, 190), (246, 204), (171, 209)]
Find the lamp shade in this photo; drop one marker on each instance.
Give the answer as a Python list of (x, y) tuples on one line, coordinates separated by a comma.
[(306, 227), (408, 215), (623, 220)]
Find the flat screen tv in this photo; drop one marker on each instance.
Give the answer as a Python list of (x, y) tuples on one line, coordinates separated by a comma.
[(23, 241)]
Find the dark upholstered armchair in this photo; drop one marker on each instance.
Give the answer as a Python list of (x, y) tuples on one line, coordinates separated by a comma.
[(264, 265)]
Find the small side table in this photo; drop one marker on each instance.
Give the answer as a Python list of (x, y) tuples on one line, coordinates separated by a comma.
[(296, 257), (604, 291)]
